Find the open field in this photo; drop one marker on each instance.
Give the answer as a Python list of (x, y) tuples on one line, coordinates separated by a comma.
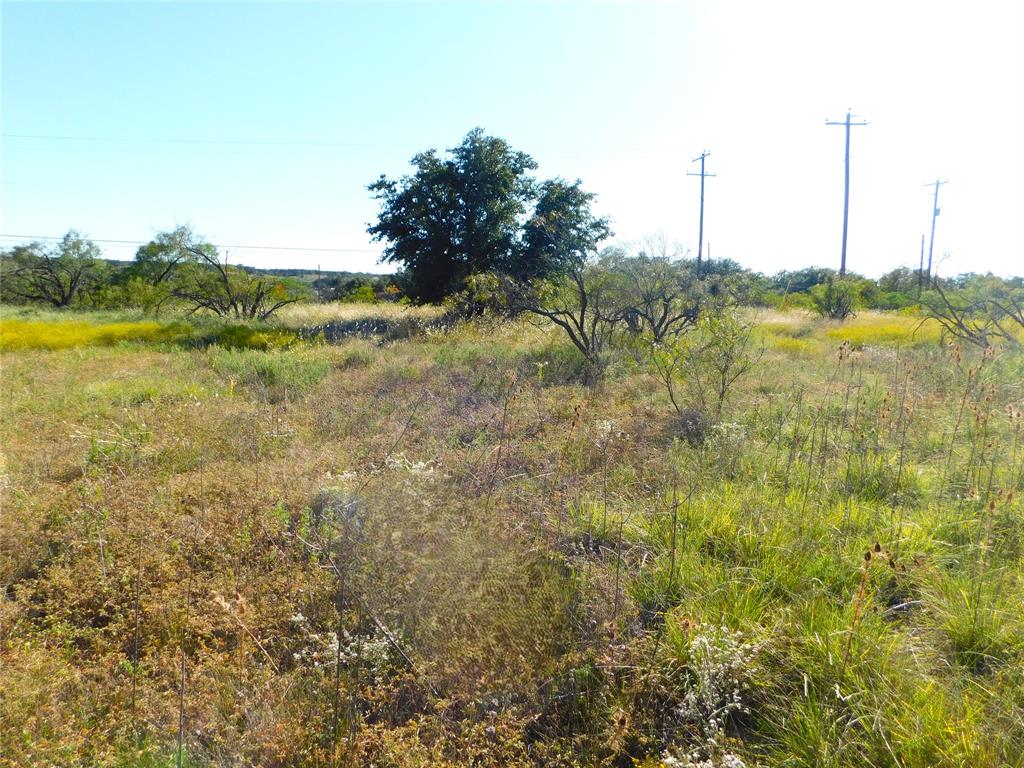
[(446, 549)]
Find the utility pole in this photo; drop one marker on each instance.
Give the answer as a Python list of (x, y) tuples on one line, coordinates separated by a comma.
[(846, 193), (935, 214), (920, 268), (703, 175)]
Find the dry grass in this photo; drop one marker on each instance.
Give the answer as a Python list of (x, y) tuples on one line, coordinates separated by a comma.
[(541, 551), (306, 315)]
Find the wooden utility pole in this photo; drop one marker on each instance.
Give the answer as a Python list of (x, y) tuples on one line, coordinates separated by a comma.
[(935, 214), (920, 268), (700, 236), (846, 193)]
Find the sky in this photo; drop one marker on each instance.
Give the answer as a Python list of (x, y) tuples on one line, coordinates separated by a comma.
[(260, 124)]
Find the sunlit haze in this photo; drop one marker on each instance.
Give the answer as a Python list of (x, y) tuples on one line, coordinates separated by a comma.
[(262, 124)]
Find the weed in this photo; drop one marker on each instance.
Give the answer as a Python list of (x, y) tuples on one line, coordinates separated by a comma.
[(554, 563), (18, 334), (886, 330)]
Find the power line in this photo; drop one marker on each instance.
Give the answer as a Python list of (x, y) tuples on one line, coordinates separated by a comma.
[(285, 143), (216, 245), (147, 140)]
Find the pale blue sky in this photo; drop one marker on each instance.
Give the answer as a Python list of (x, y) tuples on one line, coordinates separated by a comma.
[(262, 123)]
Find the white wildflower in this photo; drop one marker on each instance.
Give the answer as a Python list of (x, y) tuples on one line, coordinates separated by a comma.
[(401, 463), (719, 662)]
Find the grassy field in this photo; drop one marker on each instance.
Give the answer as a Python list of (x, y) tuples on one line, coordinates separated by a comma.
[(425, 547)]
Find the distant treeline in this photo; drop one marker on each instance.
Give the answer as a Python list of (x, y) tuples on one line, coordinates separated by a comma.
[(177, 269)]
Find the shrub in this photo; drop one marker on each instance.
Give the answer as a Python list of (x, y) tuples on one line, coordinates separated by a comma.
[(481, 294), (212, 285), (692, 425), (983, 313), (60, 275), (588, 304), (835, 299), (703, 366), (362, 294)]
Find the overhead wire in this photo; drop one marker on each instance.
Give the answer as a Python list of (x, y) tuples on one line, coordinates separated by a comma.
[(285, 143), (109, 241)]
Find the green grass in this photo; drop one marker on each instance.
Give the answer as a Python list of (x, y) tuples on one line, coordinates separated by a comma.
[(269, 370), (548, 555)]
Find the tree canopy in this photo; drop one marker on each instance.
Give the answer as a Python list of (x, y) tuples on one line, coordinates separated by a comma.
[(157, 260), (480, 210), (52, 274)]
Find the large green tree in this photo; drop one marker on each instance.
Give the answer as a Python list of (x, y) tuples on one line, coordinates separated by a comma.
[(480, 210)]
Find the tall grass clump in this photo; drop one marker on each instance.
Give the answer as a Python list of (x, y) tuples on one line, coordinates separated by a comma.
[(274, 374)]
